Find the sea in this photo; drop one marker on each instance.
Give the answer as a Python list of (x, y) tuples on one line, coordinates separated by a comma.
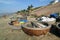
[(1, 14)]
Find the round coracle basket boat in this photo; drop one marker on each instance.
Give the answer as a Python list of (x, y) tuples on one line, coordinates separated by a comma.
[(58, 25), (51, 22), (36, 29)]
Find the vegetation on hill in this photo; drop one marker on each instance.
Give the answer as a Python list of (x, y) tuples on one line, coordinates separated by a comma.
[(30, 9), (26, 11)]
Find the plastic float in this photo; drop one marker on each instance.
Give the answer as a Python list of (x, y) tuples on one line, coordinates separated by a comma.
[(54, 15), (35, 28), (23, 21)]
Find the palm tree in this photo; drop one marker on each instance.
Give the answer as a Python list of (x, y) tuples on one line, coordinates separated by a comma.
[(18, 12), (25, 12), (29, 9)]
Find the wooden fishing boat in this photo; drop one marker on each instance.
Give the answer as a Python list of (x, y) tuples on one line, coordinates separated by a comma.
[(35, 31)]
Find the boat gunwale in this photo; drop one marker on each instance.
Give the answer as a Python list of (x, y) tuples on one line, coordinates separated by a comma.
[(24, 26)]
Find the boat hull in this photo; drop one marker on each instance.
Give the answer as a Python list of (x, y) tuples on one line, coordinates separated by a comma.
[(36, 32)]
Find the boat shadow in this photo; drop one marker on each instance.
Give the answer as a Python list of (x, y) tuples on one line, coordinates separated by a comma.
[(54, 30)]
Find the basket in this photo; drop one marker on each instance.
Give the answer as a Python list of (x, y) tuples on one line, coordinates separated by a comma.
[(36, 31)]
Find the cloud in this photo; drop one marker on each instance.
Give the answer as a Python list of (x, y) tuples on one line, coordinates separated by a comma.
[(8, 1)]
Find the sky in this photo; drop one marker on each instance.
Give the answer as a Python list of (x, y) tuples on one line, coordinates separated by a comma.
[(9, 6)]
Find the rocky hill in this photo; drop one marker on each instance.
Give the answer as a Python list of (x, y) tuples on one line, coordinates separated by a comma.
[(46, 10)]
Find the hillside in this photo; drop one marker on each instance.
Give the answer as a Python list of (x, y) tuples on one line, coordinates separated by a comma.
[(46, 10)]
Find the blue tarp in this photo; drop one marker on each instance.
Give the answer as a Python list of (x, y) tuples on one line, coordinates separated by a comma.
[(55, 15), (23, 21)]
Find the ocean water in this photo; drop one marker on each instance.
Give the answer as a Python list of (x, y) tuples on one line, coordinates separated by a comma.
[(1, 14)]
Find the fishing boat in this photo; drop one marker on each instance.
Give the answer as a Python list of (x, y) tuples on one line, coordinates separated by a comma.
[(35, 28)]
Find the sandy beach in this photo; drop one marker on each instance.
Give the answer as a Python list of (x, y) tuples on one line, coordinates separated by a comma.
[(7, 34)]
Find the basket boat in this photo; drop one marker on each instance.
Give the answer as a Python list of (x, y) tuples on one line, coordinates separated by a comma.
[(35, 31), (58, 25)]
